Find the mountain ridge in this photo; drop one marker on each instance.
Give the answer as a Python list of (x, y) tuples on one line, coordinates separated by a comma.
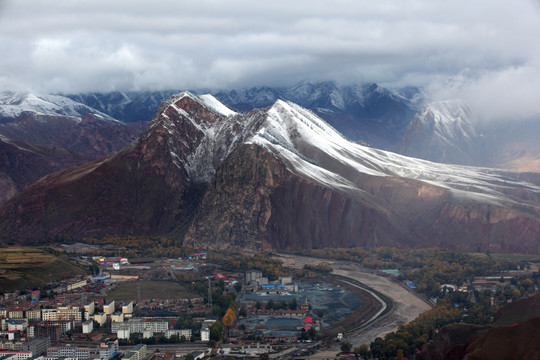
[(276, 178)]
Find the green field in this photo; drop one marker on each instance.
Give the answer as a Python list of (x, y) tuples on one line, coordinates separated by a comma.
[(150, 290), (26, 268)]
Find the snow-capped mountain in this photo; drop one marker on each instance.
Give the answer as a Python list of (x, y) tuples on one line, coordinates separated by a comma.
[(45, 133), (276, 178), (367, 113), (13, 104), (128, 107), (443, 131)]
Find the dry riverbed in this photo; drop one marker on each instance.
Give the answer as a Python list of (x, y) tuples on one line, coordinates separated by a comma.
[(407, 305)]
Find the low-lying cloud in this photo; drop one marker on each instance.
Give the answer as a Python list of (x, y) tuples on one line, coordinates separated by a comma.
[(484, 51)]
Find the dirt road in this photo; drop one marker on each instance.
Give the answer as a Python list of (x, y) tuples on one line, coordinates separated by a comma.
[(407, 306)]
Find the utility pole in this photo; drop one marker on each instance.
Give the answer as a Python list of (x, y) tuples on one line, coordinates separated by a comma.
[(138, 292), (209, 294)]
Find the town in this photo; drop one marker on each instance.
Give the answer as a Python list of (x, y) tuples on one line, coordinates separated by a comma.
[(199, 305), (78, 318)]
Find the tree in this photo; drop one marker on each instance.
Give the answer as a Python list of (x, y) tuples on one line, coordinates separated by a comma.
[(294, 304), (228, 319), (399, 355), (346, 347), (216, 331), (362, 351)]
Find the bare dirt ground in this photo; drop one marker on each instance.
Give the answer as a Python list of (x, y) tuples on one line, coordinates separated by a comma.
[(407, 305)]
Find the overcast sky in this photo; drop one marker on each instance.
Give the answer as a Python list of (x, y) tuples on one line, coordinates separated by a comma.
[(476, 50)]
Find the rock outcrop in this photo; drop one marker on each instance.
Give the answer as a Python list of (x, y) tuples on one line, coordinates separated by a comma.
[(272, 179)]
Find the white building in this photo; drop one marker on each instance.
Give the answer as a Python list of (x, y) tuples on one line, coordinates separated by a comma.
[(182, 332), (123, 332), (18, 355), (107, 351), (68, 352), (205, 334), (148, 332), (87, 327), (138, 325)]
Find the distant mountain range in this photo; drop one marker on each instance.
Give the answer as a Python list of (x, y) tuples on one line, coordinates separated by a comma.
[(367, 113), (271, 179), (43, 134)]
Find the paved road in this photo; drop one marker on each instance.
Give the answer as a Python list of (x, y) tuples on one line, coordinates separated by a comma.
[(407, 305)]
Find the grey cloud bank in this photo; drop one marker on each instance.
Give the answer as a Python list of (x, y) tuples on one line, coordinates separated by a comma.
[(483, 51)]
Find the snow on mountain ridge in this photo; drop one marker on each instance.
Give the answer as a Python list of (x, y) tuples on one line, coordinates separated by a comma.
[(451, 119), (288, 133), (13, 104)]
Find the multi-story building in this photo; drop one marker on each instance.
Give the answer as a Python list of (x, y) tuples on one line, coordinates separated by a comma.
[(11, 345), (181, 332), (69, 313), (117, 317), (109, 308), (50, 330), (252, 276), (148, 332), (108, 350), (123, 332), (89, 310), (16, 314), (33, 314), (87, 327), (49, 315), (138, 325), (68, 352), (16, 325), (130, 356), (37, 345), (140, 351), (19, 355), (127, 309), (205, 329), (101, 318), (78, 284)]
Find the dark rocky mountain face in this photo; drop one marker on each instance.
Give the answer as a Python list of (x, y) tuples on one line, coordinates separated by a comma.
[(88, 136), (276, 178), (139, 190), (22, 164), (35, 145)]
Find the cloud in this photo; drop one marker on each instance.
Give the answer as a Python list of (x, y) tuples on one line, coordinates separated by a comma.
[(477, 50)]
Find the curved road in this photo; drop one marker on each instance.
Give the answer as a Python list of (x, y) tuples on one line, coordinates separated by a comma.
[(407, 305)]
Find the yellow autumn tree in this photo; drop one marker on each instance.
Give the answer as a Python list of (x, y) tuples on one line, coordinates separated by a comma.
[(228, 319)]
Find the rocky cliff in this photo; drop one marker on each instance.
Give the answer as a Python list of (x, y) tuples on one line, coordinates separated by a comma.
[(275, 178)]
